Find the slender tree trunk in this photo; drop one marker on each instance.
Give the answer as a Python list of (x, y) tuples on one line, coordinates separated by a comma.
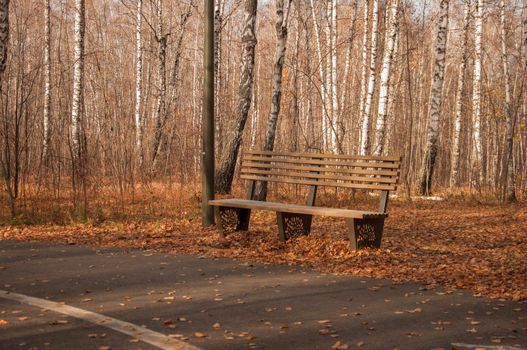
[(384, 93), (173, 85), (323, 88), (77, 132), (78, 80), (477, 157), (366, 117), (508, 171), (364, 64), (219, 6), (160, 111), (139, 123), (436, 97), (456, 144), (333, 30), (524, 20), (282, 16), (310, 123), (4, 36), (347, 62), (47, 82), (225, 173)]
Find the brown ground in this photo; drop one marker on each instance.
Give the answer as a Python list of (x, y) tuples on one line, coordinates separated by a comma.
[(453, 243)]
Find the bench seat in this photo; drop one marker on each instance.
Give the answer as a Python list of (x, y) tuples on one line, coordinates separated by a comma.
[(299, 209)]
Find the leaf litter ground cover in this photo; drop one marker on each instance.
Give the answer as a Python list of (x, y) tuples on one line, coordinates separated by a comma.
[(453, 244)]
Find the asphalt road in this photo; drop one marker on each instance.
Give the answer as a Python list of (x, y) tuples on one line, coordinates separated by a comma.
[(226, 304)]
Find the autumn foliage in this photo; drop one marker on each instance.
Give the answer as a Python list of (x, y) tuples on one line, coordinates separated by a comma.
[(455, 243)]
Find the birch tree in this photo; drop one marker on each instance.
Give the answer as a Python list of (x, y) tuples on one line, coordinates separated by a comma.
[(323, 88), (332, 74), (456, 145), (477, 156), (160, 110), (510, 192), (364, 63), (78, 81), (382, 113), (282, 17), (436, 99), (219, 6), (366, 117), (47, 82), (347, 60), (139, 123), (227, 165)]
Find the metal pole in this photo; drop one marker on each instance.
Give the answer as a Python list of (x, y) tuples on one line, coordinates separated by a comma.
[(207, 126)]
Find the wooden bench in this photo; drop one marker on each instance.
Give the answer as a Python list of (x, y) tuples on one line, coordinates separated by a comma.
[(313, 170)]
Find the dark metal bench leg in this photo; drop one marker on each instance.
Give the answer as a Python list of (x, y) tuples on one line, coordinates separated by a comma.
[(293, 225), (232, 219), (365, 232)]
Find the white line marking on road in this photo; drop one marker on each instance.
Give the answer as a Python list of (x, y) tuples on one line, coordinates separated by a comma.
[(144, 334)]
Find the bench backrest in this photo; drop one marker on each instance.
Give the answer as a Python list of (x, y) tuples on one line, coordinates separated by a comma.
[(312, 169)]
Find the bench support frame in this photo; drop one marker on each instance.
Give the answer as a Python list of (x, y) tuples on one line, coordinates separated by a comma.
[(365, 233), (293, 225), (232, 219)]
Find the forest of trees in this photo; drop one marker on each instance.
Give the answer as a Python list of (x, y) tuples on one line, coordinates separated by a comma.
[(108, 93)]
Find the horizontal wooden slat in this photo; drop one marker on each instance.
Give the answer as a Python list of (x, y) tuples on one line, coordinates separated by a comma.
[(327, 169), (374, 165), (312, 175), (320, 183), (298, 209), (324, 156)]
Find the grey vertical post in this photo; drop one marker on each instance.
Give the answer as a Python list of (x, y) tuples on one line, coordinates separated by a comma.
[(207, 161)]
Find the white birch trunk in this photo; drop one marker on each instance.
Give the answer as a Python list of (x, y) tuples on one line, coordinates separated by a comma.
[(456, 145), (329, 89), (160, 111), (139, 123), (335, 144), (366, 117), (436, 99), (477, 156), (282, 17), (47, 81), (347, 61), (323, 90), (364, 64), (510, 193), (256, 104), (382, 113), (227, 165), (219, 6), (78, 79)]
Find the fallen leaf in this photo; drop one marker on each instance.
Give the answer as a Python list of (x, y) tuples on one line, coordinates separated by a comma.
[(340, 346), (200, 335)]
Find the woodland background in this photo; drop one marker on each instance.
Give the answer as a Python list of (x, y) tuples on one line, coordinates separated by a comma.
[(103, 98)]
